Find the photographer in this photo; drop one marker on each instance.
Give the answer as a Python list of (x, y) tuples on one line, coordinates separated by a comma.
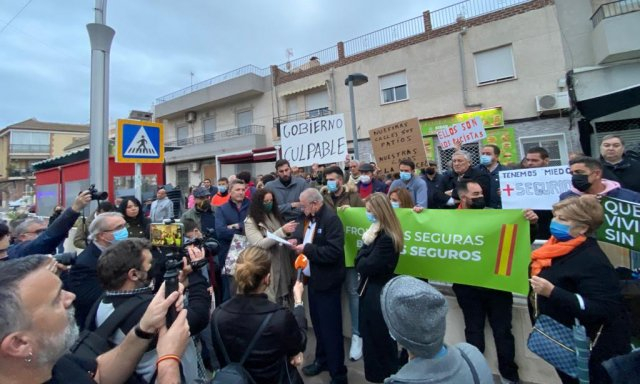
[(123, 271), (33, 236)]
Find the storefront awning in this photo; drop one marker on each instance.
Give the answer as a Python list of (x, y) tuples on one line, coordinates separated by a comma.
[(258, 155), (604, 105), (304, 89)]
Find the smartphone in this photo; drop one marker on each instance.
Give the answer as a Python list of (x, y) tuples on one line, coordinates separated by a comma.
[(167, 235)]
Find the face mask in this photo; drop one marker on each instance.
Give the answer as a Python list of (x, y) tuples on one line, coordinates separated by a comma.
[(204, 205), (431, 171), (222, 189), (478, 203), (405, 176), (581, 182), (365, 179), (332, 185), (268, 206), (560, 231), (120, 235), (395, 204), (485, 159), (371, 217)]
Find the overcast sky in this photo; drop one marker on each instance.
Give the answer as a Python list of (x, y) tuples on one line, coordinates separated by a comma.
[(45, 56)]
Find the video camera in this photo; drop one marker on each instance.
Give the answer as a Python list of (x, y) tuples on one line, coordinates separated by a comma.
[(95, 195)]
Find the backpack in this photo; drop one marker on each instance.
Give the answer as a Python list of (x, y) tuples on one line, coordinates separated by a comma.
[(92, 341), (234, 372)]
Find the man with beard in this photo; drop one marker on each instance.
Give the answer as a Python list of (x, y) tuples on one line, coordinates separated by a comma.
[(478, 303), (287, 190), (201, 212), (123, 270), (586, 178), (38, 328)]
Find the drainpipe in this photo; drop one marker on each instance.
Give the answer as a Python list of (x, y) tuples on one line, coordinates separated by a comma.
[(463, 71), (333, 90)]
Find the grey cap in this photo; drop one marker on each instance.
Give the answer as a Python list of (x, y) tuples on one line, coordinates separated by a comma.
[(366, 167), (416, 315), (201, 192)]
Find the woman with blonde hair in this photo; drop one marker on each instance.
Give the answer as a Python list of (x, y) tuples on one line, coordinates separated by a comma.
[(573, 279), (376, 263), (279, 347)]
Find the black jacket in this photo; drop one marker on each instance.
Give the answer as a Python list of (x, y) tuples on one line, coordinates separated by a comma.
[(326, 252), (587, 271), (83, 282), (284, 337), (435, 191), (625, 172), (482, 178), (377, 261)]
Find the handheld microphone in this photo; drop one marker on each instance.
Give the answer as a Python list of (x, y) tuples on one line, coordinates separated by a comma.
[(300, 264)]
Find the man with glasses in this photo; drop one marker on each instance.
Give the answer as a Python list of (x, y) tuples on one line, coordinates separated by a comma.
[(33, 236), (106, 229)]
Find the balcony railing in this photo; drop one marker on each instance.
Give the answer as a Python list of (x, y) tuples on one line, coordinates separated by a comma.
[(469, 9), (215, 80), (388, 35), (614, 8), (302, 115), (217, 136), (20, 173), (29, 148)]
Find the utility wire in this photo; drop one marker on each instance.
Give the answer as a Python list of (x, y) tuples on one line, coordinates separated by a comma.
[(14, 16)]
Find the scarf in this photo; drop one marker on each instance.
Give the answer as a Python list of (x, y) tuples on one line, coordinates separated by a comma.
[(541, 257), (370, 235)]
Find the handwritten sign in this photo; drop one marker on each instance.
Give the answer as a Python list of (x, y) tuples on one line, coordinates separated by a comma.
[(320, 140), (398, 141), (468, 131), (535, 188)]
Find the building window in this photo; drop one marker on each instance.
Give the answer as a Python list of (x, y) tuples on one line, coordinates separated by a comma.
[(393, 87), (556, 145), (30, 142), (182, 135), (209, 129), (494, 65), (182, 180), (244, 121)]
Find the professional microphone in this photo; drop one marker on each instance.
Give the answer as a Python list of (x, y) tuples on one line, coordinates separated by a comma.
[(300, 264)]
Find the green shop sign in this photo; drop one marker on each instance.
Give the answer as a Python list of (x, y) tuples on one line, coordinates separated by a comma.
[(491, 118)]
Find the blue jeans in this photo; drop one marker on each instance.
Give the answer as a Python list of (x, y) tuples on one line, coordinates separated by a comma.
[(351, 286)]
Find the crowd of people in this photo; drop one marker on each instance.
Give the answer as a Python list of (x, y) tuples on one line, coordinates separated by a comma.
[(239, 289)]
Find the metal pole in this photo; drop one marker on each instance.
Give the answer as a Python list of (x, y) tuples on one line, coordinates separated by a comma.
[(137, 181), (354, 130), (100, 37)]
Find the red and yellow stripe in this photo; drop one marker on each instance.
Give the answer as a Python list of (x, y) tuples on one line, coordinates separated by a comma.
[(506, 248)]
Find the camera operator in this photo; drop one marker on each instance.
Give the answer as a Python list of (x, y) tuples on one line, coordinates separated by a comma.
[(124, 272), (33, 236)]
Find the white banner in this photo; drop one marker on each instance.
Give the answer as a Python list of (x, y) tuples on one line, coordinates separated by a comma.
[(535, 188), (468, 131), (320, 140)]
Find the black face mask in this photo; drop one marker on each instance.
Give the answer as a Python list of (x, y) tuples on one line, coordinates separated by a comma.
[(203, 206), (431, 171), (478, 203), (581, 182)]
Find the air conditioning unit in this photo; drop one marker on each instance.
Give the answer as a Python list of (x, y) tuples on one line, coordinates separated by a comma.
[(194, 166), (190, 117), (553, 102)]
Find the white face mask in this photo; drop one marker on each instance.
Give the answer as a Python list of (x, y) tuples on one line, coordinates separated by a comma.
[(365, 179)]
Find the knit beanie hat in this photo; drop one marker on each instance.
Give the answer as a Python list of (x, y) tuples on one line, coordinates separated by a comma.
[(415, 314)]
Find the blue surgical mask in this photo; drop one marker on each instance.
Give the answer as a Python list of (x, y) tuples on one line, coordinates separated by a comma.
[(485, 159), (405, 176), (332, 185), (222, 188), (122, 234), (395, 204), (560, 231), (371, 217)]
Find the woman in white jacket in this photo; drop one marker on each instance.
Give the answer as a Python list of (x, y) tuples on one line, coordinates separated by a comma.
[(264, 217)]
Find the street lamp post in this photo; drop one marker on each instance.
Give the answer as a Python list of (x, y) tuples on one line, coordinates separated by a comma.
[(354, 80)]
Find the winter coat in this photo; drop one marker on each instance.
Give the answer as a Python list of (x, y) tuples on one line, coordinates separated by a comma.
[(228, 214), (285, 195), (349, 196)]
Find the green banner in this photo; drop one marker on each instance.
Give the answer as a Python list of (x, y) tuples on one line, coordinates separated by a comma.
[(505, 139), (621, 223), (485, 248), (491, 118)]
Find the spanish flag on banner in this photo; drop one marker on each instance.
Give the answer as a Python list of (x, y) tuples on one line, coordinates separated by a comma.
[(506, 248)]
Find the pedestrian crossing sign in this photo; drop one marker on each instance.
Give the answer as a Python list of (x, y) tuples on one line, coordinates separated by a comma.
[(139, 141)]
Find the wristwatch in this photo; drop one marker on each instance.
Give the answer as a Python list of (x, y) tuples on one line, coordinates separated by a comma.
[(299, 304), (142, 334)]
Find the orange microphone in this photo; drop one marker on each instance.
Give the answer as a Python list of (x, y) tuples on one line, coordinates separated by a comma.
[(300, 264)]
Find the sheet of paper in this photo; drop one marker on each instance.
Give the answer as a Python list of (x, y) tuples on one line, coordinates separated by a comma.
[(277, 238)]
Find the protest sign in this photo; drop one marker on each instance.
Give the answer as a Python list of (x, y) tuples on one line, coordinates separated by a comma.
[(535, 188), (398, 141), (468, 131), (491, 118), (320, 140), (490, 250), (621, 223)]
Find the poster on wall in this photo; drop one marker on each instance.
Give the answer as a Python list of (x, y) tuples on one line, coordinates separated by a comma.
[(320, 140), (505, 139), (398, 141), (429, 148), (491, 118)]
